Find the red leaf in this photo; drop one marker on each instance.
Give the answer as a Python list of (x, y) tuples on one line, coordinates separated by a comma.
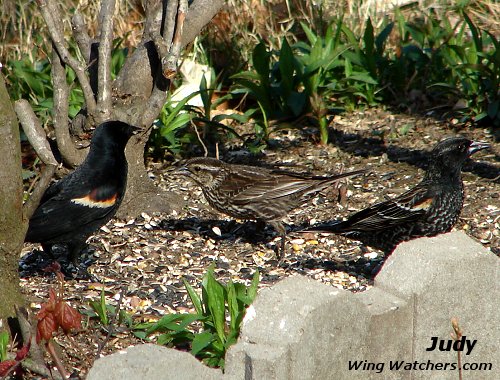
[(67, 317), (49, 306), (46, 327), (23, 351), (6, 365), (53, 267)]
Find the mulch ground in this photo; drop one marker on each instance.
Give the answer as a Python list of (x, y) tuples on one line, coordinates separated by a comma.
[(145, 259)]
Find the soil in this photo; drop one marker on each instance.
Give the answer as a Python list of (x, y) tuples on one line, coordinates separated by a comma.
[(146, 258)]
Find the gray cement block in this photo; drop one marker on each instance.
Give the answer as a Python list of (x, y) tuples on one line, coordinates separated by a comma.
[(301, 330), (151, 362), (389, 336), (443, 277)]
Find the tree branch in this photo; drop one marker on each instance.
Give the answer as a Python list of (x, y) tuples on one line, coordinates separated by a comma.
[(37, 138), (169, 62), (199, 14), (137, 77), (50, 13), (70, 154), (104, 62), (81, 36)]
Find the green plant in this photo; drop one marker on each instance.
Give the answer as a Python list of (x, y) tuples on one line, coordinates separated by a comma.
[(319, 60), (172, 130), (476, 73), (274, 83), (4, 344), (219, 312), (105, 312)]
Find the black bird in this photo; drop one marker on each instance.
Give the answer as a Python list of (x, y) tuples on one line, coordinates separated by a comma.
[(430, 208), (77, 205), (250, 192)]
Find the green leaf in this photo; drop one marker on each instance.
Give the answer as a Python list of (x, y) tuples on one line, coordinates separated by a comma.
[(474, 31), (216, 303), (261, 59), (205, 95), (4, 342), (252, 290), (232, 304), (101, 309), (195, 298), (362, 77), (369, 41), (201, 341), (309, 33), (286, 68), (382, 37)]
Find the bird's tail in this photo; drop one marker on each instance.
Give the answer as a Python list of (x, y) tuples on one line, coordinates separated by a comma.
[(336, 177), (335, 227)]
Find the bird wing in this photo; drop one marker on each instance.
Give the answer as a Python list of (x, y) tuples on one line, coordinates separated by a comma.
[(247, 186), (264, 187), (408, 207), (69, 208)]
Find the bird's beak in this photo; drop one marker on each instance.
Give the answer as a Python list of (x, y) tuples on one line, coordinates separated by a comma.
[(477, 146), (180, 170)]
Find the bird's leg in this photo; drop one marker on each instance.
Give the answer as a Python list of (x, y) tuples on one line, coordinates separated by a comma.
[(47, 249), (280, 228), (74, 250)]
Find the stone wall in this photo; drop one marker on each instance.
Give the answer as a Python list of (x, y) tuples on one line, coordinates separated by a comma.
[(302, 329)]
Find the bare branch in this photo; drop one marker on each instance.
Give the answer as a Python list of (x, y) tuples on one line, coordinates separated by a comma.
[(168, 26), (34, 131), (104, 62), (136, 79), (70, 154), (81, 36), (37, 138), (50, 14), (169, 62), (199, 14)]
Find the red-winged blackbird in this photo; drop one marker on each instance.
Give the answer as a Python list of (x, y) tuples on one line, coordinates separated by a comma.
[(430, 208), (86, 199), (249, 192)]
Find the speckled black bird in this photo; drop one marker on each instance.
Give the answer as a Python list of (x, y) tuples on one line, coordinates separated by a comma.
[(77, 205), (255, 193), (430, 208)]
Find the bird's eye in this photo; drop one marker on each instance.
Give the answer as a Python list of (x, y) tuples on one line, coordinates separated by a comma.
[(196, 168)]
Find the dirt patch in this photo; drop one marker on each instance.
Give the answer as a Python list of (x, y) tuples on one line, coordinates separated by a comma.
[(147, 257)]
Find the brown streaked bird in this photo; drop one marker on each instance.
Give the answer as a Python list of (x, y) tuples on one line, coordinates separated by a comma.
[(255, 193), (430, 208)]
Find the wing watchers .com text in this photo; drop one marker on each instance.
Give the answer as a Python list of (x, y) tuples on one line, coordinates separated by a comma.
[(401, 365)]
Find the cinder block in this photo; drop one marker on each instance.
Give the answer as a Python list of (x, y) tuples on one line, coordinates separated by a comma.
[(442, 277), (302, 329), (152, 362)]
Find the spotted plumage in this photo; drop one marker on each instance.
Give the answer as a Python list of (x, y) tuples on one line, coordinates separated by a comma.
[(254, 193), (430, 208), (86, 199)]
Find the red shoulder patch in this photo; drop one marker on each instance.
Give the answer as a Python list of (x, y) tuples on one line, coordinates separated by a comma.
[(422, 205), (90, 200)]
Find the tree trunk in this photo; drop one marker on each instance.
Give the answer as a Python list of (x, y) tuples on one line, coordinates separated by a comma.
[(142, 194), (12, 225)]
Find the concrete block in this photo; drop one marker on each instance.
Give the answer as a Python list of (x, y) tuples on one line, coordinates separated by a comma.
[(443, 277), (302, 329), (151, 362)]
